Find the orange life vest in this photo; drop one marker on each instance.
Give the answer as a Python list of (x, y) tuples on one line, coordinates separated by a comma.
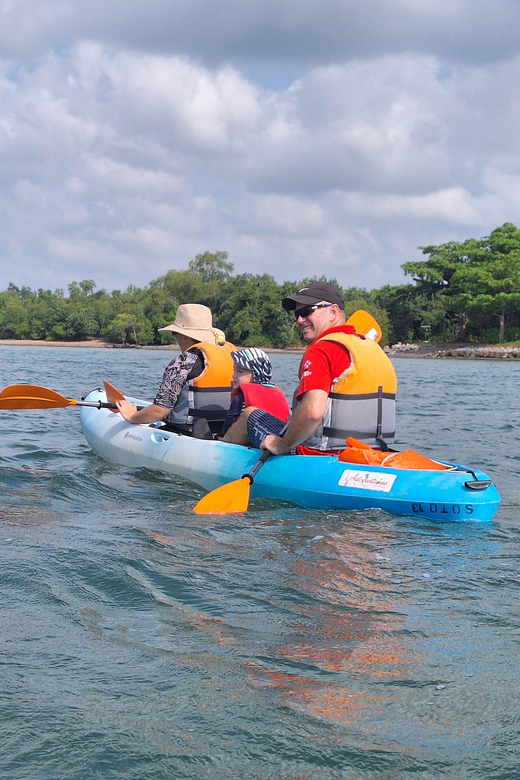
[(361, 402), (206, 395), (359, 452)]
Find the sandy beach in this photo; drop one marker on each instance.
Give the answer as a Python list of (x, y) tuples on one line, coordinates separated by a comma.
[(88, 343), (100, 344), (37, 343)]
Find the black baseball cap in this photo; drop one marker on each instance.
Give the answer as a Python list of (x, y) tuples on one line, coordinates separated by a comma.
[(315, 292)]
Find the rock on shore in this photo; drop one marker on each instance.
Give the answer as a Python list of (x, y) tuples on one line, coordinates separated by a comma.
[(493, 353), (490, 352)]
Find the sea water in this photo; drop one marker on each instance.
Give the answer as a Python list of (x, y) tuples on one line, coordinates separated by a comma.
[(142, 642)]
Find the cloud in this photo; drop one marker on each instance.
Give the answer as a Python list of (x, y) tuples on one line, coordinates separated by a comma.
[(128, 152), (267, 33), (454, 206)]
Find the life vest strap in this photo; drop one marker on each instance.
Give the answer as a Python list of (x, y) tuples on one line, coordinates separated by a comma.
[(209, 390), (380, 439), (362, 396), (338, 433), (208, 414)]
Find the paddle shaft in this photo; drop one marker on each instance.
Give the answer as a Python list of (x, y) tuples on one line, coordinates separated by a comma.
[(96, 404), (37, 397), (258, 465), (99, 404)]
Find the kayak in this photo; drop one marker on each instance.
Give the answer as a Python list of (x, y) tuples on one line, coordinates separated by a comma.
[(313, 482)]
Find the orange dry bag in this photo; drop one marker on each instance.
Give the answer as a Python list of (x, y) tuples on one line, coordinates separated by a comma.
[(359, 452)]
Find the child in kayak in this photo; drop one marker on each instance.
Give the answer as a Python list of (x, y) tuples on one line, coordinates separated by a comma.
[(252, 388)]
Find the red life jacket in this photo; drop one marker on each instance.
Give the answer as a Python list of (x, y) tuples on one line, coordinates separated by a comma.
[(267, 397)]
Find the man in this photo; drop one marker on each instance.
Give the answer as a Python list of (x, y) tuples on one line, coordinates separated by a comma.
[(196, 384), (347, 384)]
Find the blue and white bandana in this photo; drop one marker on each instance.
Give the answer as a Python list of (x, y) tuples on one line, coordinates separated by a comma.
[(255, 360)]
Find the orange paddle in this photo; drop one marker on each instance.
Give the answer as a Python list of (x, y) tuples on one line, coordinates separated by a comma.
[(232, 497), (36, 397), (365, 324), (113, 394)]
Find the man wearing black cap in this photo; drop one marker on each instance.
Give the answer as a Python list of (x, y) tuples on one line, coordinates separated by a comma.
[(347, 383)]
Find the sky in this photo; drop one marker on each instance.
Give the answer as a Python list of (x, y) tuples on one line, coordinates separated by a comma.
[(302, 137)]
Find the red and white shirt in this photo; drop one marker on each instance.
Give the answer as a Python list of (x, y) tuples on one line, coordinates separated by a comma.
[(322, 363)]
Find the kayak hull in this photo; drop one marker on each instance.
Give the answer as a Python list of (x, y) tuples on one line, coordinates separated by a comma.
[(313, 482)]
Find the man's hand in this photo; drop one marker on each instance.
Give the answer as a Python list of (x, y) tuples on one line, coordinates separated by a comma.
[(274, 444), (305, 420)]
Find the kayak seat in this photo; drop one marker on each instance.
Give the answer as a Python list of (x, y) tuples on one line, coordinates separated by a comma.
[(201, 429)]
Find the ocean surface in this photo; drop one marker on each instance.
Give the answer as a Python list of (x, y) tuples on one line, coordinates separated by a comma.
[(142, 642)]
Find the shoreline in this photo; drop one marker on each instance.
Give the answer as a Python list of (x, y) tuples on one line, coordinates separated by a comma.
[(435, 351), (100, 344), (40, 343), (457, 351)]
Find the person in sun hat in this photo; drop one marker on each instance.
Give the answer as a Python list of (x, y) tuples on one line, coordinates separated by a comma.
[(347, 384), (252, 389), (196, 384)]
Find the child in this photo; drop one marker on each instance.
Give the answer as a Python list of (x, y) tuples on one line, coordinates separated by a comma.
[(252, 388)]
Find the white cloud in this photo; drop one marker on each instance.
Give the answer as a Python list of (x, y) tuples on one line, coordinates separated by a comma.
[(284, 215), (123, 160), (123, 177), (454, 206)]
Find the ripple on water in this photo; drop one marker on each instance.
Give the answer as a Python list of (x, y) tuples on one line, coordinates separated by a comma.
[(141, 641)]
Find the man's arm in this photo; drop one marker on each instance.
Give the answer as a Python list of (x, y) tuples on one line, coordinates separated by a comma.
[(149, 414), (305, 420)]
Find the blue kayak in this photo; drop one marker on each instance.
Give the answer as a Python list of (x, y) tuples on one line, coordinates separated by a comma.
[(314, 482)]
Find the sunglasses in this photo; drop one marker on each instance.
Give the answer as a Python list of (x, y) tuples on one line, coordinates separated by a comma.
[(305, 311)]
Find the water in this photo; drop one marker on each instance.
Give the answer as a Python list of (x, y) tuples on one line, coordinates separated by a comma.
[(143, 642)]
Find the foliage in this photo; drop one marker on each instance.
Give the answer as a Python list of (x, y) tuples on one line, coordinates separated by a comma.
[(251, 312), (468, 290), (212, 267), (473, 281)]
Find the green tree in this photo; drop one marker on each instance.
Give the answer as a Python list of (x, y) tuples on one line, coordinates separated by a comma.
[(81, 322), (407, 310), (55, 317), (15, 312), (212, 267), (181, 286), (120, 329), (251, 312), (474, 278), (81, 290)]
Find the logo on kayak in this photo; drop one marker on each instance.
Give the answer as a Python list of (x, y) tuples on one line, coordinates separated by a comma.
[(367, 480), (131, 436)]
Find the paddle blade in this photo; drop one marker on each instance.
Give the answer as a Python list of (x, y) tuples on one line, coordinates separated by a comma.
[(32, 397), (112, 394), (366, 325), (233, 497)]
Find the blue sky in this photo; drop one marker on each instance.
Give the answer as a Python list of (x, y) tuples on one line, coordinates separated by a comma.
[(301, 137)]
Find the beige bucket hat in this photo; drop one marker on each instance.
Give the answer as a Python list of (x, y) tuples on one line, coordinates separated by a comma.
[(196, 321)]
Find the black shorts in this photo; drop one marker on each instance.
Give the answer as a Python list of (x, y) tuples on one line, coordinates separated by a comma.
[(261, 424)]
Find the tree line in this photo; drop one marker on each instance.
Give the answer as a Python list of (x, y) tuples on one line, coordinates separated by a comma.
[(462, 291)]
